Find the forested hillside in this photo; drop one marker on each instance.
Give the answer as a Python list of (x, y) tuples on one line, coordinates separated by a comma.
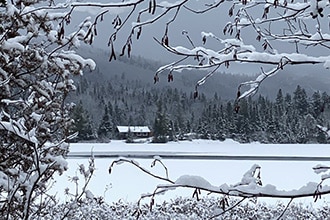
[(287, 110)]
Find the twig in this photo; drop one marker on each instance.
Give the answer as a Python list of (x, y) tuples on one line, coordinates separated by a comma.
[(163, 165), (120, 160), (286, 208), (227, 210)]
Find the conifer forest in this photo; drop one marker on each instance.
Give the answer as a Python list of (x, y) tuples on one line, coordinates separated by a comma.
[(290, 117)]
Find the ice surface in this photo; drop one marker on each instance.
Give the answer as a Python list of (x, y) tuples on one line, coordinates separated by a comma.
[(129, 183)]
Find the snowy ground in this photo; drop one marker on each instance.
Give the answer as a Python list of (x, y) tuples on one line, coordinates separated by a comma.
[(128, 183)]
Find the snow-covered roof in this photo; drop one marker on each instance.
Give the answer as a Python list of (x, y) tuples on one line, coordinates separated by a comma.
[(134, 129)]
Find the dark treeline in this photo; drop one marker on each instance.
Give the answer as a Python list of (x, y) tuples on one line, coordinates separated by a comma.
[(172, 113)]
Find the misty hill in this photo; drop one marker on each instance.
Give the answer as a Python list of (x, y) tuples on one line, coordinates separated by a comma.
[(141, 71)]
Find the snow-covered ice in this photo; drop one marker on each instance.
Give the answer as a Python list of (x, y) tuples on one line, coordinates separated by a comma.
[(128, 183)]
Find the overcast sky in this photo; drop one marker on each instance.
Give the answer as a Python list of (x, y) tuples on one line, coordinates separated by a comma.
[(146, 46)]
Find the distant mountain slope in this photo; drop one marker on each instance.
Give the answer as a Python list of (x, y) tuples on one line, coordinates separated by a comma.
[(312, 78)]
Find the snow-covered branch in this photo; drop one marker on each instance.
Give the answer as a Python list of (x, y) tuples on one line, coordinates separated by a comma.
[(136, 164), (279, 25), (235, 51), (250, 186)]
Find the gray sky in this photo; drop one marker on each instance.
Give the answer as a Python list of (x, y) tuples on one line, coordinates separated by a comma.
[(147, 47)]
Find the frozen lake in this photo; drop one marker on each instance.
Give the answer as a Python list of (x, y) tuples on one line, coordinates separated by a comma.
[(285, 166)]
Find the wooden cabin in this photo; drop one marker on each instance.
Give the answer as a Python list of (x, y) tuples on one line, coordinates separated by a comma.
[(136, 131)]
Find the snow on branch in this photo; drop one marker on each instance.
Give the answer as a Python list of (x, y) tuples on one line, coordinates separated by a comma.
[(324, 129), (135, 163), (18, 129), (235, 51), (280, 25), (280, 21), (250, 186)]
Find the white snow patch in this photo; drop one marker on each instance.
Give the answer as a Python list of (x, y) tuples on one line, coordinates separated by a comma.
[(190, 180)]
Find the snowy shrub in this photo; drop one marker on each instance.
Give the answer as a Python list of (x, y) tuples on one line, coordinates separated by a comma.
[(35, 67), (184, 209)]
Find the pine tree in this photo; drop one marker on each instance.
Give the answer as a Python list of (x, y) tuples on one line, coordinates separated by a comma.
[(130, 136), (301, 132), (141, 116), (291, 118), (202, 129), (161, 126), (119, 115), (300, 101), (279, 104), (230, 126), (317, 105), (280, 117), (262, 109), (105, 128), (82, 123), (321, 137), (242, 121), (272, 126)]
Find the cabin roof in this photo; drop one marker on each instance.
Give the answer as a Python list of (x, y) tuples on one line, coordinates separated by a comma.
[(133, 129)]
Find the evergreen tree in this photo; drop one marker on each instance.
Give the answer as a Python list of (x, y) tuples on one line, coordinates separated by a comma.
[(262, 109), (280, 118), (220, 122), (279, 104), (291, 118), (105, 129), (82, 123), (202, 129), (300, 101), (256, 123), (325, 100), (321, 137), (188, 127), (130, 137), (119, 116), (301, 134), (161, 126), (242, 121), (179, 119), (230, 128), (141, 116), (311, 128), (205, 123), (272, 126), (317, 105)]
